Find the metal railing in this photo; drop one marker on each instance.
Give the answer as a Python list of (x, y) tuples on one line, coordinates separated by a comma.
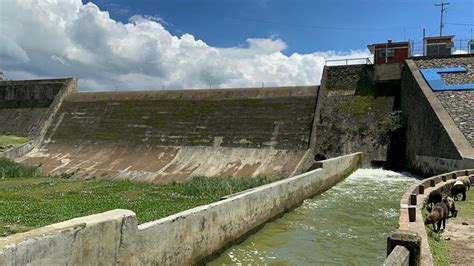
[(348, 61)]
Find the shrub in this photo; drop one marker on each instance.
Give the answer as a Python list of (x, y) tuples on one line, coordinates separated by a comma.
[(11, 169)]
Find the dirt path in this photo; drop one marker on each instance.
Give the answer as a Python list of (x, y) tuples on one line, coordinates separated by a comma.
[(459, 236), (459, 233)]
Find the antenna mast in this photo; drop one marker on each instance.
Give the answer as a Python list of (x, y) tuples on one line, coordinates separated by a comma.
[(443, 8)]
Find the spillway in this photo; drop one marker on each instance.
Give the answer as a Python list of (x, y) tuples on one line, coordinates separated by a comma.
[(347, 224)]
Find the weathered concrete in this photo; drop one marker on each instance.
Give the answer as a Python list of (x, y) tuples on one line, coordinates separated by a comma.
[(398, 257), (181, 239), (160, 136), (160, 164), (431, 131), (25, 105), (385, 72), (353, 113), (27, 108), (408, 239), (90, 240)]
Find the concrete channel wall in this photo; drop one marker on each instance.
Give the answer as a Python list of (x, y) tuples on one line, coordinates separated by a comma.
[(182, 239), (411, 232)]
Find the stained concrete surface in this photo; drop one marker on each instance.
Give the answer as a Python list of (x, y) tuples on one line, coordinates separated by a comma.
[(164, 136)]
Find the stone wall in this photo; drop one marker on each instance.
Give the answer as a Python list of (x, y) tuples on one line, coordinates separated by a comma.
[(181, 239), (430, 129), (354, 113), (459, 104)]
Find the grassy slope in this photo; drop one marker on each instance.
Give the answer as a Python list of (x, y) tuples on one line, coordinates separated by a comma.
[(12, 140), (440, 247), (29, 202)]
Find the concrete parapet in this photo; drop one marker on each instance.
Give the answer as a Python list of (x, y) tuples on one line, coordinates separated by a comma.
[(90, 240), (182, 239), (414, 200), (400, 256), (408, 239)]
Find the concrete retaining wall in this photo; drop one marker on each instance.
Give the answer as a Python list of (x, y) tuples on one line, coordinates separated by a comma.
[(181, 239), (413, 201), (26, 105), (27, 108), (435, 144)]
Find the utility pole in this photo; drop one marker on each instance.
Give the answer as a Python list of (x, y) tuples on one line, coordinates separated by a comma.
[(443, 8)]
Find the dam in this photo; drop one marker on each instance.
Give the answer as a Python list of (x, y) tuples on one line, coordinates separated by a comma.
[(170, 136), (353, 218)]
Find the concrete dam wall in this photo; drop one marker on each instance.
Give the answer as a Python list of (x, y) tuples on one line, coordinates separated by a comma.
[(163, 136), (26, 105)]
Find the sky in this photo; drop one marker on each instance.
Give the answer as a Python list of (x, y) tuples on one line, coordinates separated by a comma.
[(175, 44)]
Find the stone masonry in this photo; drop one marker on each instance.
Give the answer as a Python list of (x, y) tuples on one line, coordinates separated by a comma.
[(459, 104)]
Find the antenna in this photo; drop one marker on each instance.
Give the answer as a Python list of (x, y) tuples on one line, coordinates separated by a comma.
[(441, 25)]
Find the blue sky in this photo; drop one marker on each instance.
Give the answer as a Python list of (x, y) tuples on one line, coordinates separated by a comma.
[(175, 44), (306, 26)]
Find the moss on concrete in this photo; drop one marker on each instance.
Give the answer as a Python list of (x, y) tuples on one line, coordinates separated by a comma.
[(362, 105), (13, 140)]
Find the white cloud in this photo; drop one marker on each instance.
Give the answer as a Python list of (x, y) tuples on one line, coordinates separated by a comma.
[(51, 38)]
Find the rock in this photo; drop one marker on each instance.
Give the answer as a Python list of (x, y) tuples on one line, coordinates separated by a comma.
[(464, 223)]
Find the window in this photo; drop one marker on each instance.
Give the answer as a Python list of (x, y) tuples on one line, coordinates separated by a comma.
[(438, 49), (390, 52)]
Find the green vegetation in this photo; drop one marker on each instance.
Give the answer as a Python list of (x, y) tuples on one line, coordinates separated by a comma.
[(10, 169), (12, 140), (362, 105), (439, 247), (29, 199), (441, 250)]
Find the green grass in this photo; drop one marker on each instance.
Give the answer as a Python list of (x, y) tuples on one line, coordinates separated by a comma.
[(440, 248), (34, 201), (12, 140), (10, 169)]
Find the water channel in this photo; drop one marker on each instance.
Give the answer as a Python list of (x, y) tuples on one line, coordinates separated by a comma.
[(346, 225)]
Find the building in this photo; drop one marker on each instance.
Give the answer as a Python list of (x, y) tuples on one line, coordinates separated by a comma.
[(438, 46), (470, 47), (390, 52)]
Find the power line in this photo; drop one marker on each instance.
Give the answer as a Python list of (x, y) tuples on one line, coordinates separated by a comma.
[(460, 24), (443, 8)]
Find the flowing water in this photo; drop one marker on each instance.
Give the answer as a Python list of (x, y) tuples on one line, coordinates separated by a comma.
[(346, 225)]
